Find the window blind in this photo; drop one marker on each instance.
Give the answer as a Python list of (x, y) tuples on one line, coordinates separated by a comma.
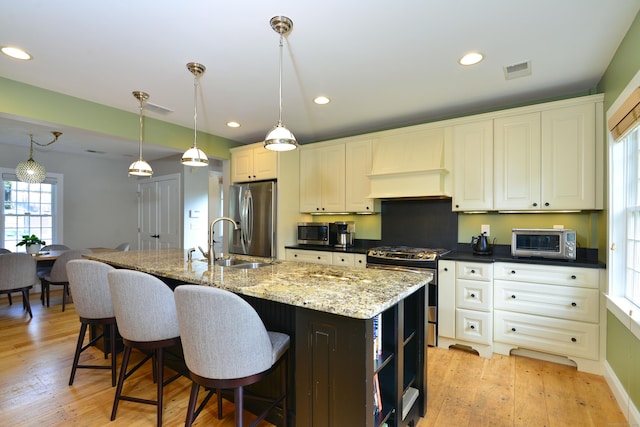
[(626, 117)]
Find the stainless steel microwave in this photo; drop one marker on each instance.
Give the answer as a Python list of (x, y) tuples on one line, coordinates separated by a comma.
[(543, 242), (313, 233)]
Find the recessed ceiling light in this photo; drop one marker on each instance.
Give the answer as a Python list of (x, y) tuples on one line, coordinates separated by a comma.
[(471, 58), (16, 53), (233, 124), (321, 100)]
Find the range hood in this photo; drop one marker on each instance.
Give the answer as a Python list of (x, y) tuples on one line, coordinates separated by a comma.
[(411, 164)]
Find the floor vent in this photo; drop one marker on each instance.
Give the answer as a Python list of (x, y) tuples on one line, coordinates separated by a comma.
[(517, 70)]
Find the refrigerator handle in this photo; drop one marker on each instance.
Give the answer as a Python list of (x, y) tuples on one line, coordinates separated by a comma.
[(248, 224)]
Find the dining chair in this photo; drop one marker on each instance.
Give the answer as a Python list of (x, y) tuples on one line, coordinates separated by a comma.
[(122, 247), (6, 251), (58, 275), (18, 274), (92, 299), (145, 312), (222, 352)]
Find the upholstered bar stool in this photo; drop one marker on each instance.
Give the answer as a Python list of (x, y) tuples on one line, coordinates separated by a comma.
[(92, 300), (18, 274), (58, 275), (6, 251), (226, 346), (146, 316)]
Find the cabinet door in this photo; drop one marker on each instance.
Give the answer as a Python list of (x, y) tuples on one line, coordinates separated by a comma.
[(357, 181), (447, 299), (568, 158), (242, 165), (310, 180), (473, 166), (517, 162), (265, 163), (333, 178)]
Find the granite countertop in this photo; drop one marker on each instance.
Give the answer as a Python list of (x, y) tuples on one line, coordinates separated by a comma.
[(346, 291)]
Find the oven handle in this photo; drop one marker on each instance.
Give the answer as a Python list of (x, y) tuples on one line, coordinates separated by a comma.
[(398, 268)]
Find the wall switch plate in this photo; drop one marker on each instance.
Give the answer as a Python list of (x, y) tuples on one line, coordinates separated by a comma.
[(486, 229)]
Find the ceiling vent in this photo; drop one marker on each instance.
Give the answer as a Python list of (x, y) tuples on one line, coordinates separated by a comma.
[(149, 106), (517, 70)]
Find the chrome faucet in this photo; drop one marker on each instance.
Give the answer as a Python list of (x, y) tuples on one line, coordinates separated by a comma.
[(211, 255)]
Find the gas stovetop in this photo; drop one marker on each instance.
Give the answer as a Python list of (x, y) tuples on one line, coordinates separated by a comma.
[(406, 253)]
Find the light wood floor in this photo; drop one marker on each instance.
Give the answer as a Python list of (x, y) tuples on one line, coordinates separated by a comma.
[(464, 389)]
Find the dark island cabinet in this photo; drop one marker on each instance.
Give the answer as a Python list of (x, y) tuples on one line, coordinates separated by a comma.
[(336, 368)]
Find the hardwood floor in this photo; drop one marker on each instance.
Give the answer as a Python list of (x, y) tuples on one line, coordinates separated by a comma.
[(464, 389)]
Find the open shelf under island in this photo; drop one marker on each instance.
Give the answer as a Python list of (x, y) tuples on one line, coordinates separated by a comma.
[(336, 378)]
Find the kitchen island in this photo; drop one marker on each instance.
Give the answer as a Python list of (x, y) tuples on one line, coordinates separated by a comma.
[(329, 312)]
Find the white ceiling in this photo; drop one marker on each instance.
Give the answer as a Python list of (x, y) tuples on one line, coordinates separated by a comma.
[(384, 64)]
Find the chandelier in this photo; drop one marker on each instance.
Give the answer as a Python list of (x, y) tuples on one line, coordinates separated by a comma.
[(31, 171)]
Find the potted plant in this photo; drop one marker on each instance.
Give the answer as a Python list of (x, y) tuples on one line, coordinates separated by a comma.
[(32, 242)]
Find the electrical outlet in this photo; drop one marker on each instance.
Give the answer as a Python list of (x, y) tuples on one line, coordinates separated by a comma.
[(558, 227), (486, 229)]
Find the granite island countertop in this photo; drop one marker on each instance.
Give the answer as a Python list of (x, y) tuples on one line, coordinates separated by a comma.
[(346, 291)]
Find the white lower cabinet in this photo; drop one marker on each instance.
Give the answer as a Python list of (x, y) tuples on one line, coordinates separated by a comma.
[(465, 305), (326, 257), (552, 309)]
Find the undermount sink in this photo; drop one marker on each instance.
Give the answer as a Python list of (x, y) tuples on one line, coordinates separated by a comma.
[(229, 262), (251, 265)]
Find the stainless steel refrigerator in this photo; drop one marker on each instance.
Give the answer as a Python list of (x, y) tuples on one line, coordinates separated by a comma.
[(253, 207)]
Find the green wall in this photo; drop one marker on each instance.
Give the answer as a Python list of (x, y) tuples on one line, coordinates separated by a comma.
[(623, 348), (33, 103)]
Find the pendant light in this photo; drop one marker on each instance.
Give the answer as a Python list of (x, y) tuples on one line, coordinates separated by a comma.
[(140, 167), (280, 138), (194, 156), (31, 171)]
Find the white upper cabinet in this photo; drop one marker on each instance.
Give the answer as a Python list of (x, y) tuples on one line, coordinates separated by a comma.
[(322, 179), (473, 166), (357, 181), (253, 163), (546, 160), (569, 158), (517, 162)]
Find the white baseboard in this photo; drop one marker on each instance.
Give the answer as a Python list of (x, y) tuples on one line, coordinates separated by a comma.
[(626, 405)]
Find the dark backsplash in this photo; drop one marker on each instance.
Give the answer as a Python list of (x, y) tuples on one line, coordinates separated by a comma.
[(427, 223)]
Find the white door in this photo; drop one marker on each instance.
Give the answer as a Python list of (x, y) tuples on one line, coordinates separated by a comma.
[(159, 213)]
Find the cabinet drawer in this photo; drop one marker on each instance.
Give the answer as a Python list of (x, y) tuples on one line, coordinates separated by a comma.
[(347, 260), (360, 261), (474, 326), (548, 274), (474, 271), (473, 294), (562, 302), (564, 337), (316, 257)]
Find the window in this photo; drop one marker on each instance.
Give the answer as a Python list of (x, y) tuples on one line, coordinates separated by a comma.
[(30, 209)]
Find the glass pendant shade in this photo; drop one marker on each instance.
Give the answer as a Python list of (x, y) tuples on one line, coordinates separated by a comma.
[(140, 167), (31, 172), (195, 156), (280, 138)]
